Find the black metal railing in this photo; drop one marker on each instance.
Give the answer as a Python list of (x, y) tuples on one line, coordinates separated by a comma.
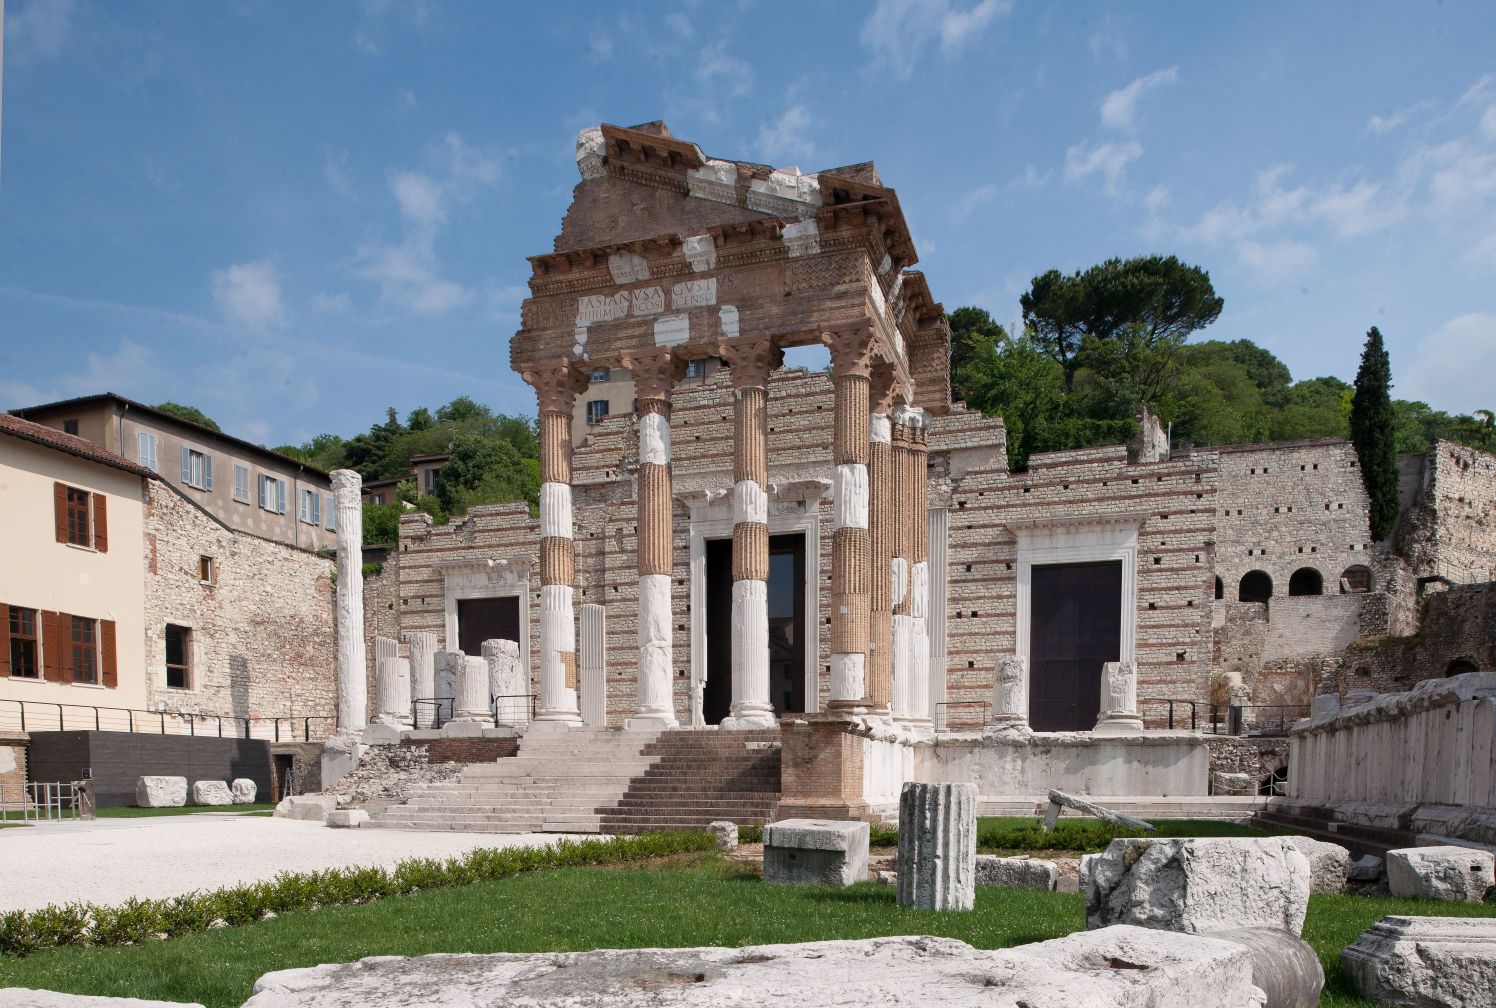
[(515, 711), (45, 715), (962, 715), (1260, 720), (430, 712)]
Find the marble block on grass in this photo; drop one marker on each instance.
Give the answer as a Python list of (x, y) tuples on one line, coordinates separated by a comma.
[(1017, 872), (310, 807), (244, 790), (1197, 884), (815, 852), (1329, 864), (1428, 962), (161, 792), (211, 792), (1452, 874), (725, 833)]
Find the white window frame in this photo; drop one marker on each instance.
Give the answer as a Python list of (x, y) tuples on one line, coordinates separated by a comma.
[(241, 483), (272, 494), (197, 468), (145, 450), (309, 509), (330, 509)]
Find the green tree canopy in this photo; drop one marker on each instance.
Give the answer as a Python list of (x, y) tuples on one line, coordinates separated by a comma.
[(189, 413)]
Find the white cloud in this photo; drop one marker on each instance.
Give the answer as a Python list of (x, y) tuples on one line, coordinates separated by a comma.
[(335, 171), (1107, 40), (600, 45), (1347, 210), (39, 27), (899, 32), (1156, 200), (420, 198), (979, 196), (679, 23), (1397, 118), (786, 140), (723, 74), (405, 100), (129, 369), (1276, 263), (1109, 160), (1119, 109), (1032, 178), (248, 294), (1453, 365)]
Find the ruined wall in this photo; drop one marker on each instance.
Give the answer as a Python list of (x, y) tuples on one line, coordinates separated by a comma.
[(263, 632), (1450, 531), (381, 612), (1457, 634), (1282, 649), (1175, 501), (13, 745)]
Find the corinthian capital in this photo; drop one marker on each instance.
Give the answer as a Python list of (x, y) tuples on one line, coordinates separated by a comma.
[(751, 361), (851, 350), (556, 384), (655, 371)]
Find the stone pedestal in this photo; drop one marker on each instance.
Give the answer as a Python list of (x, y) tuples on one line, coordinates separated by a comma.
[(937, 846), (472, 701), (392, 691), (1119, 700), (815, 852), (1010, 693)]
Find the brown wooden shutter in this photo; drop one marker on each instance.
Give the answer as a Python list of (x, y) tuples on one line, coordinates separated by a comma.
[(54, 668), (106, 653), (60, 510), (100, 522), (4, 640)]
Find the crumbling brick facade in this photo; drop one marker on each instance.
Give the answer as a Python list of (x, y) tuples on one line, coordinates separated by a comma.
[(262, 639), (1449, 532), (1457, 634)]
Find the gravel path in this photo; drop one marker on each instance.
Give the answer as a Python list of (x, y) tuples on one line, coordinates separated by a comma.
[(110, 860)]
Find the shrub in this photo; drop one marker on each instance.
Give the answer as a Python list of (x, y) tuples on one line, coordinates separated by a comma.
[(23, 932)]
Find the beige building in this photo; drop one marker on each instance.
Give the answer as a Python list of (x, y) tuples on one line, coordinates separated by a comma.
[(72, 600), (611, 391), (246, 486), (423, 470)]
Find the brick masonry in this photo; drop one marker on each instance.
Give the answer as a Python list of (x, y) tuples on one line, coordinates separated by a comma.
[(465, 750), (1450, 531), (263, 634), (13, 745), (1457, 634)]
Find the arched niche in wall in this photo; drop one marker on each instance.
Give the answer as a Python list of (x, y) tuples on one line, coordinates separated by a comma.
[(1306, 581), (1459, 667), (1220, 588), (1256, 586), (1355, 579)]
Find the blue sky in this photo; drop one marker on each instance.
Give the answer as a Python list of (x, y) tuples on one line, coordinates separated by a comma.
[(295, 214)]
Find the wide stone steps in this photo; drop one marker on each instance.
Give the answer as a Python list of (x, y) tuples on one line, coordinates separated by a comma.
[(603, 781)]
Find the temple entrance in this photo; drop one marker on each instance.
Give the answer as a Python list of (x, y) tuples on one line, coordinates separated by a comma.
[(1075, 626), (481, 619), (787, 630)]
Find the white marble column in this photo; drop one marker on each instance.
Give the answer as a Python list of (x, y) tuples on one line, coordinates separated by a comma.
[(472, 692), (353, 672), (654, 380), (751, 361), (919, 573), (902, 474), (422, 644), (508, 684), (392, 692)]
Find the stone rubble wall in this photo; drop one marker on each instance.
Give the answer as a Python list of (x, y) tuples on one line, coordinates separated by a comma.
[(263, 634), (1450, 531), (13, 747), (381, 613), (1458, 628), (1258, 758)]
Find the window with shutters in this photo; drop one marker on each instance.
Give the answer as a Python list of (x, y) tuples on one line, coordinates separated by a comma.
[(197, 469), (597, 411), (70, 427), (273, 494), (429, 477), (241, 484), (78, 524), (332, 513), (178, 657), (84, 663), (145, 450), (24, 646), (311, 507)]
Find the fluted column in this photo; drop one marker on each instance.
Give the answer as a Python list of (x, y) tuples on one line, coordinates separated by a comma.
[(900, 481), (392, 692), (422, 664), (881, 519), (919, 571), (655, 375), (751, 361), (851, 568), (556, 387), (353, 683)]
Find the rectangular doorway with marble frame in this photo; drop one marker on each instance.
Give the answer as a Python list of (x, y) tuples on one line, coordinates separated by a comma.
[(486, 598)]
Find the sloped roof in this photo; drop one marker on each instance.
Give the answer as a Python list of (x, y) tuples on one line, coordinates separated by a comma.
[(71, 444)]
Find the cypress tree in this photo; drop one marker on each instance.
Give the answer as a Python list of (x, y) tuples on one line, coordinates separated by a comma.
[(1373, 434)]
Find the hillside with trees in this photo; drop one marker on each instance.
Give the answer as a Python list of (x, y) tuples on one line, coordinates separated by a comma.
[(1098, 343)]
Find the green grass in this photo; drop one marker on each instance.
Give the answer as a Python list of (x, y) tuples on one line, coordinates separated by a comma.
[(695, 900), (132, 812)]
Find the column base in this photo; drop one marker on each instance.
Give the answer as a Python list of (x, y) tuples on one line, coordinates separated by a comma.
[(651, 722), (850, 707), (749, 721), (1128, 724), (381, 733), (559, 720), (461, 727)]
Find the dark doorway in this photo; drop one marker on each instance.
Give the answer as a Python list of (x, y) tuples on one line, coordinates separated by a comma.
[(1306, 581), (786, 597), (1075, 625), (1255, 586), (482, 619), (283, 776)]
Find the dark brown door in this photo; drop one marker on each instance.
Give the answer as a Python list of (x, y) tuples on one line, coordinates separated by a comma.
[(1075, 624), (482, 619), (786, 597)]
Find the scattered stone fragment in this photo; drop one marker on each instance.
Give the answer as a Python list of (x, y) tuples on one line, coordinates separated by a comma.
[(211, 792), (244, 790), (1058, 799), (888, 878), (1224, 783), (815, 852), (1366, 868), (311, 807), (1451, 874), (1112, 968), (347, 818), (22, 997), (726, 834), (1017, 872), (1197, 884), (1427, 962), (161, 792), (937, 846), (1329, 864), (1284, 966)]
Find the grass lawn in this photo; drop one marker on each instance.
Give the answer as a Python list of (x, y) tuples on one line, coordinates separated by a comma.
[(131, 812), (693, 900)]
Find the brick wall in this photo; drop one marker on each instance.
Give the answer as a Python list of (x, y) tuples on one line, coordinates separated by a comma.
[(263, 633), (13, 747), (465, 750), (1450, 531), (381, 613)]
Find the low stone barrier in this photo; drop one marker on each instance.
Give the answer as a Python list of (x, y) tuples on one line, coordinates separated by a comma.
[(815, 852), (1017, 872)]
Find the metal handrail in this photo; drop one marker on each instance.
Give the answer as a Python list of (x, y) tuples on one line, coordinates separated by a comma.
[(41, 802), (39, 715), (515, 710), (440, 709), (1230, 719)]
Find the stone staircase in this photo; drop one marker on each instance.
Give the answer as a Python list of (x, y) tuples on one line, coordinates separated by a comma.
[(591, 780)]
